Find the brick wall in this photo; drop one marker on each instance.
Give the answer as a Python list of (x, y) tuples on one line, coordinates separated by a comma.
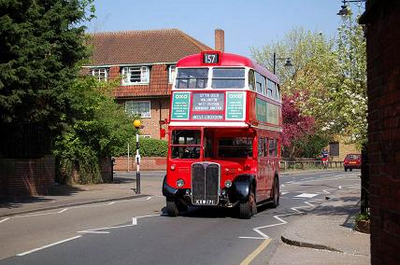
[(344, 148), (26, 177), (383, 41), (147, 164), (157, 92)]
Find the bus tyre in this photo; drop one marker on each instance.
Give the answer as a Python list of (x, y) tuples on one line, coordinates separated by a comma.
[(249, 208), (275, 193), (172, 208)]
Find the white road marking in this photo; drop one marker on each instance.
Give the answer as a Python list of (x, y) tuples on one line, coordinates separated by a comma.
[(110, 203), (146, 216), (281, 221), (93, 232), (134, 223), (284, 192), (36, 215), (63, 210), (315, 179), (148, 198), (5, 219), (250, 237), (306, 195), (47, 246)]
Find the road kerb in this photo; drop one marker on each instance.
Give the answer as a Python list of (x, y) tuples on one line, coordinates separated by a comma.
[(298, 243)]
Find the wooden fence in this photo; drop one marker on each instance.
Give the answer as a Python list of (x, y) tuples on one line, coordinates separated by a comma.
[(308, 164)]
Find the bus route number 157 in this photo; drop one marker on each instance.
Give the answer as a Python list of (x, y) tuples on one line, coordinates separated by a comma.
[(210, 58)]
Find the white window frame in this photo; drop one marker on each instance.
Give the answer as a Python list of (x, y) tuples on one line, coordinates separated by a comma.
[(96, 72), (146, 114), (127, 72), (171, 73)]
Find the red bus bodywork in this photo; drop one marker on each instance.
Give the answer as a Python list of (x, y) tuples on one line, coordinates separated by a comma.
[(224, 142)]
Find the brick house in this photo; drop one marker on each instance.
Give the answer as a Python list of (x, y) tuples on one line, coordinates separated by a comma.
[(145, 61), (382, 20)]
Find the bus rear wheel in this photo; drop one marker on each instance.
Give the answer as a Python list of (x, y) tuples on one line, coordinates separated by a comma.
[(249, 208), (275, 193)]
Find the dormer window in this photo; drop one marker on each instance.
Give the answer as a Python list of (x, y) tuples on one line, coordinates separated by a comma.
[(101, 74), (135, 75)]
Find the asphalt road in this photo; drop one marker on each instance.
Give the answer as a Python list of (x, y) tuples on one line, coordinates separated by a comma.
[(137, 231)]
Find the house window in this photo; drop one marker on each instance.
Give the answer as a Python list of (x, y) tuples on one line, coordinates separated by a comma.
[(171, 73), (138, 108), (101, 74), (135, 75)]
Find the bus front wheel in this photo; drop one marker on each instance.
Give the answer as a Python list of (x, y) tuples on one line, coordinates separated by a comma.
[(172, 208), (249, 208)]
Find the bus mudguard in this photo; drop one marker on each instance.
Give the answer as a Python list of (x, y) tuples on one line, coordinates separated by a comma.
[(241, 186), (167, 190)]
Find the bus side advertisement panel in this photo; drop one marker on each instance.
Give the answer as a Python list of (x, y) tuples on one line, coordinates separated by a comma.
[(267, 112)]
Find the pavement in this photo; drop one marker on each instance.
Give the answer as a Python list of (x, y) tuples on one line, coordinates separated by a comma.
[(324, 235), (61, 196)]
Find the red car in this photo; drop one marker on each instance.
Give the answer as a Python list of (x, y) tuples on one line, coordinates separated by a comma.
[(352, 161)]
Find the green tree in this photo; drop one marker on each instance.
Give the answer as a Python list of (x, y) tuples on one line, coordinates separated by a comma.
[(96, 128), (41, 44), (313, 58), (299, 45), (329, 79)]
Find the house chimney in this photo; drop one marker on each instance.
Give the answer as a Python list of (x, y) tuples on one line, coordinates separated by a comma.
[(219, 40)]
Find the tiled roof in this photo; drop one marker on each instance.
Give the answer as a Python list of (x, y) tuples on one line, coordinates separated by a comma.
[(138, 47)]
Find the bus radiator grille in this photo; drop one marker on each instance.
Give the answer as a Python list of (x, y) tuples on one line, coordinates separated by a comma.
[(205, 183)]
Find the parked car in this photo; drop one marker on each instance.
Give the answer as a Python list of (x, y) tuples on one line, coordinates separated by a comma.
[(352, 161)]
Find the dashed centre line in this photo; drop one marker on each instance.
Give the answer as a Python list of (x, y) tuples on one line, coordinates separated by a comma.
[(47, 246), (307, 195)]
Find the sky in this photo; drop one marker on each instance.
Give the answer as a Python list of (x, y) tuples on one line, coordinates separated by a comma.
[(247, 23)]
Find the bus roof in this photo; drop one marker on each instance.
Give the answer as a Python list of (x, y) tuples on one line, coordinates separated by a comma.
[(227, 59)]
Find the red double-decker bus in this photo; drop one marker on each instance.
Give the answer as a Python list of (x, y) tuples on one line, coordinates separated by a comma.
[(224, 134)]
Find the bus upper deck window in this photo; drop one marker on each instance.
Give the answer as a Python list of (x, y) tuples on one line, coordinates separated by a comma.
[(228, 78), (192, 78)]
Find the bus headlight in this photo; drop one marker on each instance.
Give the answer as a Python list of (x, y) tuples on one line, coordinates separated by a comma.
[(180, 183), (228, 183)]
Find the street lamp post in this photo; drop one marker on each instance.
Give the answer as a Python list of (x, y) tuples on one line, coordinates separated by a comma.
[(137, 124), (288, 62), (344, 11)]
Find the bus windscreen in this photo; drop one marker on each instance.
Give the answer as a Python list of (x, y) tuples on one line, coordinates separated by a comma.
[(228, 78), (186, 144), (192, 78)]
